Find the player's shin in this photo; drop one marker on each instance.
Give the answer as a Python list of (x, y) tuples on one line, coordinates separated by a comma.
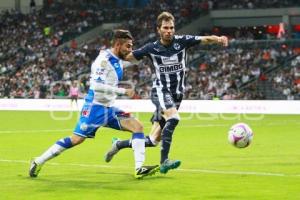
[(167, 134), (150, 141), (121, 144), (56, 149), (138, 146)]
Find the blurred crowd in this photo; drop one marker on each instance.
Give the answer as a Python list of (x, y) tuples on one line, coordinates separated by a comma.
[(252, 4), (32, 65), (287, 80), (222, 73), (219, 73)]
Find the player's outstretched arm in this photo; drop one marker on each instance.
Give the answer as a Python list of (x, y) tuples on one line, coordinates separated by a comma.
[(213, 39), (130, 58), (129, 92)]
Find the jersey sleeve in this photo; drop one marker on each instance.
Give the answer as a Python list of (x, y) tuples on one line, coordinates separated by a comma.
[(99, 87), (141, 52), (190, 40)]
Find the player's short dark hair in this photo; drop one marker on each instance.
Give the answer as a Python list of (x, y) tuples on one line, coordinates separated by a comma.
[(122, 34), (164, 16)]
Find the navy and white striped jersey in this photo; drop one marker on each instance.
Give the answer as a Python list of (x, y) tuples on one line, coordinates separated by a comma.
[(169, 62)]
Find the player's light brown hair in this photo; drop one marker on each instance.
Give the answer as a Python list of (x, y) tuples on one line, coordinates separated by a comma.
[(164, 16), (121, 34)]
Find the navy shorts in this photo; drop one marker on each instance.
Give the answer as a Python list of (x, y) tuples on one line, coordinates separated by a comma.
[(164, 100)]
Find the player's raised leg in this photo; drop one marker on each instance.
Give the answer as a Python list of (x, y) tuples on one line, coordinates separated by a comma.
[(85, 128), (56, 149)]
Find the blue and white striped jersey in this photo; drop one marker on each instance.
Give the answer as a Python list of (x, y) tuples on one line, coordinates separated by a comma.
[(169, 61)]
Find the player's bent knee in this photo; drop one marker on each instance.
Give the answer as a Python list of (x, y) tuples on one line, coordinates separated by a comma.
[(77, 140), (132, 125), (172, 113), (175, 116), (155, 141)]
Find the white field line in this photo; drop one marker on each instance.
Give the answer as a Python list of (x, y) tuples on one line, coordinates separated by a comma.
[(208, 171), (180, 126), (35, 131), (202, 171)]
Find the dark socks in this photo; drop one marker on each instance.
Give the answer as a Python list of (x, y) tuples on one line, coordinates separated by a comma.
[(167, 134), (127, 143), (124, 144), (148, 142)]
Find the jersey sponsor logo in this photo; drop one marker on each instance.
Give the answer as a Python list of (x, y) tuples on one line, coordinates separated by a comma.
[(99, 80), (169, 60), (99, 75), (170, 68), (178, 36), (188, 37), (176, 46), (100, 71)]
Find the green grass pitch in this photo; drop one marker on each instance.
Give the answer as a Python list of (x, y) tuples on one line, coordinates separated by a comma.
[(211, 168)]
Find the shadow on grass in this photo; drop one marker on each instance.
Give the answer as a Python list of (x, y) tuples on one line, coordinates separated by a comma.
[(92, 181)]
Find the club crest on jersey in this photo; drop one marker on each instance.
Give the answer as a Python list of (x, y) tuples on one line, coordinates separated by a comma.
[(104, 63), (176, 46)]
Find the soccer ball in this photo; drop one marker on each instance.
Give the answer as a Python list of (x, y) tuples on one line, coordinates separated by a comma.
[(240, 135)]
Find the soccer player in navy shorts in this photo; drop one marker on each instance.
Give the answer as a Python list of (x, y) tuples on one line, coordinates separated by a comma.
[(168, 56)]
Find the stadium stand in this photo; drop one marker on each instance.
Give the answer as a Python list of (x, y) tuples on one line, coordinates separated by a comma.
[(31, 65)]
